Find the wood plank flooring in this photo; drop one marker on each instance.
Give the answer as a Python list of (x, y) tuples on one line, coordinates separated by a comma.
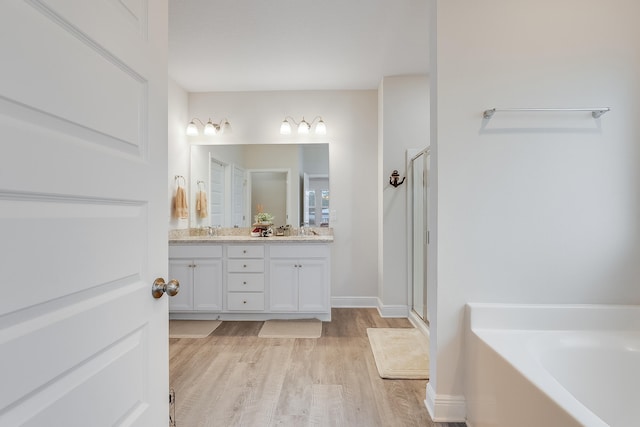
[(234, 378)]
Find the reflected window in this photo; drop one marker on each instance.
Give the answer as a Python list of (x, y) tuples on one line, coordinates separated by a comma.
[(316, 208), (312, 207), (325, 208)]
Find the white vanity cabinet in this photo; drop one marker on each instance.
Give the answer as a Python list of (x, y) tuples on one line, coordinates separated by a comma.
[(245, 277), (254, 280), (198, 268), (299, 279)]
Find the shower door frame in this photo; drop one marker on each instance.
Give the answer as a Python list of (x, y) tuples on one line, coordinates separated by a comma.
[(412, 156)]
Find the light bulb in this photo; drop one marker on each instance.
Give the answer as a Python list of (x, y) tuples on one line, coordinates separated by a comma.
[(192, 129), (303, 127), (226, 127), (321, 128), (285, 128), (210, 128)]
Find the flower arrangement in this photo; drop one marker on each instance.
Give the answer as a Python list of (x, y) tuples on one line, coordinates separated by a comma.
[(264, 218)]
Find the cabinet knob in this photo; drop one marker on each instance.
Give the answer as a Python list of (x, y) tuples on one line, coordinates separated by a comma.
[(244, 266), (244, 251), (244, 302), (244, 283)]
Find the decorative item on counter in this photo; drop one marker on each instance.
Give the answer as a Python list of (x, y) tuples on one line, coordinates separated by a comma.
[(264, 218), (304, 229), (263, 223), (283, 230), (213, 230)]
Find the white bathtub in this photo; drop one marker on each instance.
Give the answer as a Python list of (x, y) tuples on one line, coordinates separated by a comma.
[(552, 365)]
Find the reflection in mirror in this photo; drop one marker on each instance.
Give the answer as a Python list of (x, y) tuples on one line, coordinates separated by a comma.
[(281, 178), (315, 193), (269, 189)]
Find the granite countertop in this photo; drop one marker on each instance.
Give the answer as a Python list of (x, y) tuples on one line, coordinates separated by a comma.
[(236, 235)]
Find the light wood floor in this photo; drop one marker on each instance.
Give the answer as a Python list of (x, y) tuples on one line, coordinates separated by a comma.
[(234, 378)]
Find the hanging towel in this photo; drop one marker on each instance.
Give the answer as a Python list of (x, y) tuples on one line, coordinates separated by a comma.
[(180, 204), (201, 204)]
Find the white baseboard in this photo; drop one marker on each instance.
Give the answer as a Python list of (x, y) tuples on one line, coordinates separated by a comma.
[(418, 322), (393, 310), (354, 302), (445, 408), (371, 302)]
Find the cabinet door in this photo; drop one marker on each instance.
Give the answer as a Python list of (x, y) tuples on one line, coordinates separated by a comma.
[(313, 285), (283, 285), (181, 270), (207, 284)]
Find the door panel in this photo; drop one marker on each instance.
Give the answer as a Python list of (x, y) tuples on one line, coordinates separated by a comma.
[(83, 119), (217, 190), (238, 197), (56, 389), (71, 69)]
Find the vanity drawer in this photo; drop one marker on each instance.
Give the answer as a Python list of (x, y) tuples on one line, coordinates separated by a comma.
[(309, 250), (195, 251), (250, 282), (247, 251), (245, 266), (245, 301)]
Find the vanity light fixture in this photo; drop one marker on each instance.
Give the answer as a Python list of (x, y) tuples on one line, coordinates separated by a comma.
[(210, 128), (303, 127)]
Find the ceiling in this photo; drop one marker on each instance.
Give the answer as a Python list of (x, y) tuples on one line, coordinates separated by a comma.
[(256, 45)]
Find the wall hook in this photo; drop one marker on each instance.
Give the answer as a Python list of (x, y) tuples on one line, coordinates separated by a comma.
[(394, 179)]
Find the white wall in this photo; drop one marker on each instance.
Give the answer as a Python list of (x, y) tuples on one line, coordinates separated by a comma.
[(178, 146), (533, 208), (351, 118), (404, 115)]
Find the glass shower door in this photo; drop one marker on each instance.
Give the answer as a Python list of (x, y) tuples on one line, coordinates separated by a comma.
[(420, 234)]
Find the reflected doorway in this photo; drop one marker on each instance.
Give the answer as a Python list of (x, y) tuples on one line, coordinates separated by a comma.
[(269, 192)]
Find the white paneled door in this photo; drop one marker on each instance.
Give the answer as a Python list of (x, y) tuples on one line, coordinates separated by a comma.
[(216, 195), (83, 213)]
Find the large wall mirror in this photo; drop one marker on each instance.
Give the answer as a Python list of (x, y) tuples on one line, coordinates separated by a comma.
[(231, 183)]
